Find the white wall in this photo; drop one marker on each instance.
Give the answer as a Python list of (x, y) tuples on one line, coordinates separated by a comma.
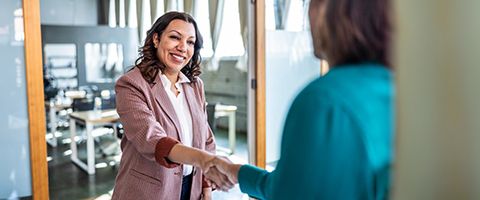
[(438, 68)]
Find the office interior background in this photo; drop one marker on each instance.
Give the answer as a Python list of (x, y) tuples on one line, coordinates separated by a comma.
[(59, 114)]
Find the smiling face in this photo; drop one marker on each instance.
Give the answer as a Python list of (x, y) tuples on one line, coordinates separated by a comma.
[(175, 46)]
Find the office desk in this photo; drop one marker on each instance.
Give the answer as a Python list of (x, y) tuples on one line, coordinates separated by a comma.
[(89, 119), (228, 111)]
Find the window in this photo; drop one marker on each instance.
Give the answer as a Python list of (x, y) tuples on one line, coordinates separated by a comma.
[(203, 21), (230, 42), (104, 62)]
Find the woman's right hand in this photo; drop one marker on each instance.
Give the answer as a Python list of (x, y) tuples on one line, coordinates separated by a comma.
[(222, 172)]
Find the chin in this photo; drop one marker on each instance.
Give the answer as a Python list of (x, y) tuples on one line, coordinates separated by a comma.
[(175, 67)]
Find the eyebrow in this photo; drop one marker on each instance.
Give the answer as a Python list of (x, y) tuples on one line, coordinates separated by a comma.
[(181, 34)]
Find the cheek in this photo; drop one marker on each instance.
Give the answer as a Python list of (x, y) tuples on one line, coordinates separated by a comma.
[(159, 53), (190, 54)]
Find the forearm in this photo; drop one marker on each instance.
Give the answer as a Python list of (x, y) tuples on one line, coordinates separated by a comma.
[(190, 156)]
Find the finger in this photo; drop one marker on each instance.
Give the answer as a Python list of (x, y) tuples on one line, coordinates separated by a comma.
[(221, 181), (226, 183)]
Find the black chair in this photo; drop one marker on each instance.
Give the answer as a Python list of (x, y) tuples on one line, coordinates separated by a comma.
[(109, 103), (211, 116), (83, 104)]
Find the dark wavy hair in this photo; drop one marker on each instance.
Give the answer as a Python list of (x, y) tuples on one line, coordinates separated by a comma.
[(148, 62), (357, 31)]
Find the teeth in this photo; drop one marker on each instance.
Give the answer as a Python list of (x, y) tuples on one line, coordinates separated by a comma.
[(177, 57)]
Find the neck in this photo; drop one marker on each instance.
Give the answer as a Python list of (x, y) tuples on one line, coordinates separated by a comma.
[(172, 77)]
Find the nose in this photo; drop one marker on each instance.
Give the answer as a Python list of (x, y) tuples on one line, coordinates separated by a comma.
[(182, 46)]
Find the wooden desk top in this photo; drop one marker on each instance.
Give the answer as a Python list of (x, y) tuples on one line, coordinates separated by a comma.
[(58, 106), (104, 116)]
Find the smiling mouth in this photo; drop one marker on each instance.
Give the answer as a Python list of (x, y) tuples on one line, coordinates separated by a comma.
[(177, 58)]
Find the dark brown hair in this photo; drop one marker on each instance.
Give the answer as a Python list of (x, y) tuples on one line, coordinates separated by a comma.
[(357, 31), (148, 62)]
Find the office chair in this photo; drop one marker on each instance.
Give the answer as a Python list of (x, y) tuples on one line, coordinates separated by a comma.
[(211, 116)]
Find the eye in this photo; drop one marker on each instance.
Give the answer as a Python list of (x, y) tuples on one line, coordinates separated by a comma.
[(191, 43), (174, 37)]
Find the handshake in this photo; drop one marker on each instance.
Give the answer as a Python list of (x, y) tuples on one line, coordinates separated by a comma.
[(220, 172)]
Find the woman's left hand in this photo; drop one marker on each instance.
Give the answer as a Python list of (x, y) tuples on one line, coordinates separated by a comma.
[(207, 193)]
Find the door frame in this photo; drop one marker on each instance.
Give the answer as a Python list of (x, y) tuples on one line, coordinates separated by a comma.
[(256, 76), (35, 98)]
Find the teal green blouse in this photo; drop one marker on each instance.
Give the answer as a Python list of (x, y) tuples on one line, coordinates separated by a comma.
[(337, 140)]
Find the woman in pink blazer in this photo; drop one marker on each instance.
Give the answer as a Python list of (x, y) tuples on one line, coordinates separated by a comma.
[(161, 103)]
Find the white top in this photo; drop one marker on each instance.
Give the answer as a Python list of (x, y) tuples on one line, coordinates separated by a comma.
[(182, 110)]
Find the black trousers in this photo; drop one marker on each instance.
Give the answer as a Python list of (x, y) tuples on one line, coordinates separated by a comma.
[(186, 187)]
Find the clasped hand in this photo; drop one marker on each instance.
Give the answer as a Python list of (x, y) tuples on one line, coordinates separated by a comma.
[(221, 173)]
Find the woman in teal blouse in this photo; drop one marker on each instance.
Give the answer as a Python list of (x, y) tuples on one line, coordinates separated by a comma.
[(337, 140)]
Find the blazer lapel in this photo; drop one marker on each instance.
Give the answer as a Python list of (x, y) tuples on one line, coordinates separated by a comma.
[(162, 98), (196, 118)]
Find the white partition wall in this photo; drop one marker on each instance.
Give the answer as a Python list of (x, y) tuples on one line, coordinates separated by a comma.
[(438, 73)]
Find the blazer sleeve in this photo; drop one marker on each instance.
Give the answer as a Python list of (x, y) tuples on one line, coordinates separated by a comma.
[(141, 128)]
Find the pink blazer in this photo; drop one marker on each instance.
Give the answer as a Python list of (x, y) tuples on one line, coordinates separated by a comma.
[(148, 116)]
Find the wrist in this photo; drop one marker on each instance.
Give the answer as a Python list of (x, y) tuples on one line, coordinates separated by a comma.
[(203, 159), (234, 169)]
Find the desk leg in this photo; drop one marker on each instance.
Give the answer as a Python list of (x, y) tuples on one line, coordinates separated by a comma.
[(53, 126), (73, 143), (90, 166), (231, 131), (90, 149)]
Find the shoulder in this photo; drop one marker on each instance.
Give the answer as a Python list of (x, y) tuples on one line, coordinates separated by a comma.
[(198, 81), (133, 76), (318, 101), (132, 79), (197, 84), (319, 90)]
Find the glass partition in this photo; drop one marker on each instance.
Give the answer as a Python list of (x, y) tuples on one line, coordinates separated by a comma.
[(290, 65), (15, 175)]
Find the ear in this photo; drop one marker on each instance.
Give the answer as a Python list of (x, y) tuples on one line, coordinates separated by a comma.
[(155, 39)]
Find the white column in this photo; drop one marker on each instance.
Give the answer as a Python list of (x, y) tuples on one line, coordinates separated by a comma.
[(132, 14), (146, 20), (121, 14), (112, 21), (159, 9)]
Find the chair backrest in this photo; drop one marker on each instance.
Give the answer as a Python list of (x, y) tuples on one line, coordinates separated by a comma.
[(211, 116), (108, 103), (83, 104)]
